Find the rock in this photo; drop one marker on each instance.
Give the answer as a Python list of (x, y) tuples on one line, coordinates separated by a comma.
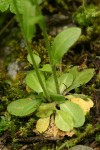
[(13, 68), (81, 147)]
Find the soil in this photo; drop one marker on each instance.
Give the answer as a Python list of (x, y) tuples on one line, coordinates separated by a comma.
[(17, 133)]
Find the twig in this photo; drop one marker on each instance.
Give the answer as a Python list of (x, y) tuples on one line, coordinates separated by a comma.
[(7, 25), (37, 139)]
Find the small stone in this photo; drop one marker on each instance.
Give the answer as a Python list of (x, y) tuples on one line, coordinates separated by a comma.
[(13, 68), (81, 147)]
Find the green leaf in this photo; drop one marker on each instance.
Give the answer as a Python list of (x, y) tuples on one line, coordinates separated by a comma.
[(81, 78), (28, 22), (58, 98), (20, 6), (62, 42), (46, 68), (50, 84), (33, 82), (29, 15), (41, 96), (23, 107), (75, 111), (45, 110), (65, 80), (63, 121), (36, 57), (36, 2), (74, 71), (4, 5), (42, 124), (27, 11), (29, 27)]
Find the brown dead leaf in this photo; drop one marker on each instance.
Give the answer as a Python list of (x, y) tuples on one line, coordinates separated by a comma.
[(53, 131)]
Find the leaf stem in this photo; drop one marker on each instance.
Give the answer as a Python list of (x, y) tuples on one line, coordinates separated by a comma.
[(50, 59), (84, 3), (45, 35), (36, 70), (7, 25), (30, 53)]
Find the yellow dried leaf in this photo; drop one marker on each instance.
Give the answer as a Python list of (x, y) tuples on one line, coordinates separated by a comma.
[(85, 105), (42, 124)]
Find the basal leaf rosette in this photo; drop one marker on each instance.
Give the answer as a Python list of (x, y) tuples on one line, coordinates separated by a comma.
[(59, 122)]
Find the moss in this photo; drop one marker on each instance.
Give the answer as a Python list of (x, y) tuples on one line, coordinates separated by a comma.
[(88, 131), (6, 124), (86, 16), (39, 47)]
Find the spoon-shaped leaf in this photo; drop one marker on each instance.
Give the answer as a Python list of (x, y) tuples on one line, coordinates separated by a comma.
[(81, 77), (42, 124), (62, 42), (33, 82), (63, 121), (75, 111), (23, 107)]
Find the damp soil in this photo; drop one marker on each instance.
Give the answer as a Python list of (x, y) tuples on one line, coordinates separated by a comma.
[(17, 133)]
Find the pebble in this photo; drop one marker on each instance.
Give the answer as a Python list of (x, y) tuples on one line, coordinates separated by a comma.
[(81, 147), (12, 69)]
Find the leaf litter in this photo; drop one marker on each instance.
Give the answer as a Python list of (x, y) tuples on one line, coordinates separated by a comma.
[(53, 131)]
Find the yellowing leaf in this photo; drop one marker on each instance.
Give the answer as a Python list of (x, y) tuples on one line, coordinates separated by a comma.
[(42, 124), (85, 105), (45, 110), (28, 89)]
